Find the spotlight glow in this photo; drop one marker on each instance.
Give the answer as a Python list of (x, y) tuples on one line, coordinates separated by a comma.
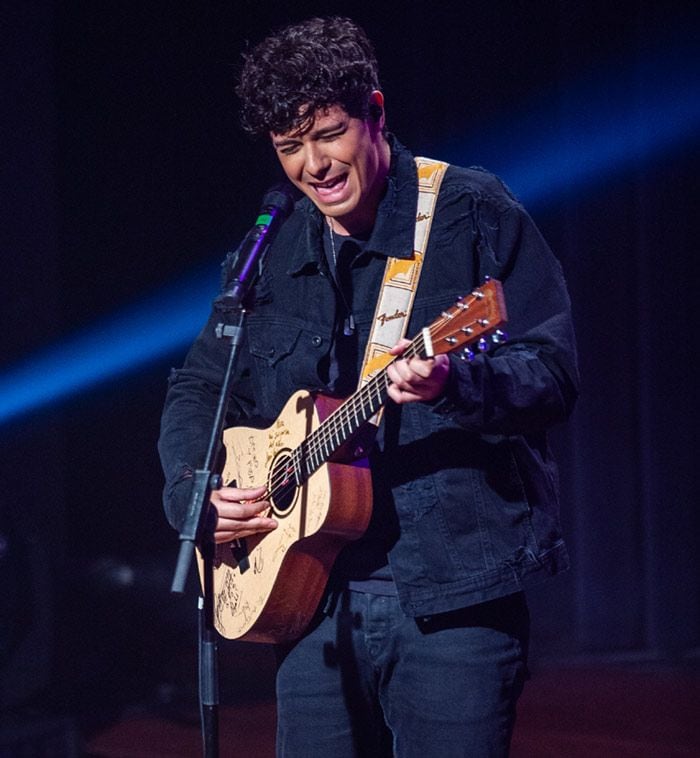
[(164, 323), (561, 144), (597, 128)]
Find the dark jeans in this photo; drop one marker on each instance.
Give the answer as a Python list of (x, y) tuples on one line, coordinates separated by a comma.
[(368, 681)]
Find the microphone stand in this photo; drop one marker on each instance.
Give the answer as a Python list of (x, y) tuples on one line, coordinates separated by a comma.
[(198, 529)]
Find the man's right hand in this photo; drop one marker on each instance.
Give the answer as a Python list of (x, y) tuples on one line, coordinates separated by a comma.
[(241, 513)]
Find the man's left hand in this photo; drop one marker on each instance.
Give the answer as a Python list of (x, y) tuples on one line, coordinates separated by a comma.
[(414, 379)]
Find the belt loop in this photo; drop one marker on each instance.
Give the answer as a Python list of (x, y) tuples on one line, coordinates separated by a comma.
[(332, 597)]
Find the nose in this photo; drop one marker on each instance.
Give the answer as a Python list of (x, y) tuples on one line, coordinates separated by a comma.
[(317, 162)]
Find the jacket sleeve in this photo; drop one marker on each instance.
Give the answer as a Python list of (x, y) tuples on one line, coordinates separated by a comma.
[(531, 382), (190, 406)]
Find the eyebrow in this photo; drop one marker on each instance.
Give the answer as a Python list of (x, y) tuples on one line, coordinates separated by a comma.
[(314, 134)]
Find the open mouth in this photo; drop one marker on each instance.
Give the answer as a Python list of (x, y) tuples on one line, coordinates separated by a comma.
[(331, 190)]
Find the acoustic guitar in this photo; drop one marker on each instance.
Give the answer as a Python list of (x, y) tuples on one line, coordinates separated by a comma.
[(313, 459)]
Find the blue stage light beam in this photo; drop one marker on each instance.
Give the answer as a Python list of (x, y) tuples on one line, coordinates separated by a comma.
[(143, 333), (616, 119), (561, 144)]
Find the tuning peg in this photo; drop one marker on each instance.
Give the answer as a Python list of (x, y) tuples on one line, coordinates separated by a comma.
[(483, 345), (467, 354), (498, 337)]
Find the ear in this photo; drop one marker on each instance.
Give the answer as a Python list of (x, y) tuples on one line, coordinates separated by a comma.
[(376, 108)]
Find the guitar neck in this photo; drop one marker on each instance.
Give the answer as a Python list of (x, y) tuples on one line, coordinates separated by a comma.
[(320, 446), (470, 318)]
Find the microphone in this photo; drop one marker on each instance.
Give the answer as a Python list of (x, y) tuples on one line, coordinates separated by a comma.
[(277, 204)]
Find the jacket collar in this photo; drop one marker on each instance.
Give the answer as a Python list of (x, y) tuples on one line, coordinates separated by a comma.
[(394, 228)]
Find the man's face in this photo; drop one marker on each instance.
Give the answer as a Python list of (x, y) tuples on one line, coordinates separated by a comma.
[(341, 163)]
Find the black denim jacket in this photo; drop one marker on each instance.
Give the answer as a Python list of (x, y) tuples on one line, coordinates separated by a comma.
[(469, 481)]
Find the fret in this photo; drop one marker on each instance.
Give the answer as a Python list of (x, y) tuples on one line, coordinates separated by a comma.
[(443, 335), (296, 466)]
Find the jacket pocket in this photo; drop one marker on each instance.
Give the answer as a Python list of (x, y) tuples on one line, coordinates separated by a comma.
[(273, 343)]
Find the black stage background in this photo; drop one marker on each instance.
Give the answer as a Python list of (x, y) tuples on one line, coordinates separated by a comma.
[(124, 168)]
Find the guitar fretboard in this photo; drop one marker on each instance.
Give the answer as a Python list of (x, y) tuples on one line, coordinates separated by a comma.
[(347, 419), (479, 313)]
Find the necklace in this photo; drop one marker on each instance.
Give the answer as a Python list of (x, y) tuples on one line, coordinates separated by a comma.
[(349, 322), (331, 235)]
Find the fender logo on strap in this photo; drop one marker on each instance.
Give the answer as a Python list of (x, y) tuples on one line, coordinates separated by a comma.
[(383, 318)]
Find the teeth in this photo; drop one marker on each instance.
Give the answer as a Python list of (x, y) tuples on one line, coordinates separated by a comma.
[(329, 183)]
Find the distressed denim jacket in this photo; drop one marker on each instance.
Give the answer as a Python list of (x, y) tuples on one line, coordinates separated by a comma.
[(467, 483)]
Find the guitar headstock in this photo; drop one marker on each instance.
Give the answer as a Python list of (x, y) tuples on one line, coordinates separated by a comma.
[(471, 321)]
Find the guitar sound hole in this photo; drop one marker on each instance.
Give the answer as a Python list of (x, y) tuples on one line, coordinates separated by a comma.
[(282, 484)]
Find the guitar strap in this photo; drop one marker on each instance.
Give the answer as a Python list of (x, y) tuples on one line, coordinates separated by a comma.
[(401, 277)]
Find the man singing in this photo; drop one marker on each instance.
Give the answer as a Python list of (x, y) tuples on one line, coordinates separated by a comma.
[(419, 644)]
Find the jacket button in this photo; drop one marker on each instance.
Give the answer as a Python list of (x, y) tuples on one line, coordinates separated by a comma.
[(271, 352), (316, 341)]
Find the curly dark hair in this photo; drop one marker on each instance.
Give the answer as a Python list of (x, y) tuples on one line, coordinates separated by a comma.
[(313, 64)]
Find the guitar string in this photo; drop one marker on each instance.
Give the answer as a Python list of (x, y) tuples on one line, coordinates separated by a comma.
[(335, 424), (321, 436), (340, 420), (310, 455), (314, 443)]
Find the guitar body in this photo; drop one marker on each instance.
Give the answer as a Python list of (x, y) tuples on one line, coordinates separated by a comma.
[(267, 587)]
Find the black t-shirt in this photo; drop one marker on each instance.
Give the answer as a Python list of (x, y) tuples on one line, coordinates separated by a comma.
[(363, 564)]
